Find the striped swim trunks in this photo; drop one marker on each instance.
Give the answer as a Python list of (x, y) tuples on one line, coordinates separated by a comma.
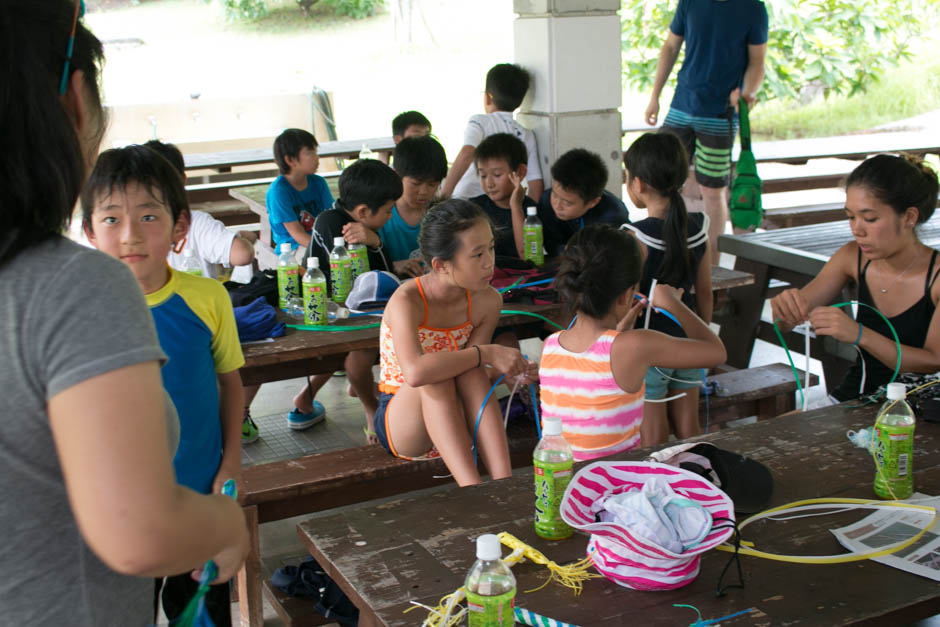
[(709, 141)]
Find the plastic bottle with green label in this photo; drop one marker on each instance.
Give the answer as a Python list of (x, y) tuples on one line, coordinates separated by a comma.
[(490, 587), (553, 461), (533, 238), (190, 264), (288, 277), (314, 288), (893, 442), (359, 255), (341, 278)]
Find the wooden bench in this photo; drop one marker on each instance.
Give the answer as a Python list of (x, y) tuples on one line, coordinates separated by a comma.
[(229, 212), (765, 392), (313, 483), (785, 217)]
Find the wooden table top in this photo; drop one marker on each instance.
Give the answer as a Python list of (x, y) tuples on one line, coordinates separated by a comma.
[(299, 353), (420, 546), (347, 149), (805, 249)]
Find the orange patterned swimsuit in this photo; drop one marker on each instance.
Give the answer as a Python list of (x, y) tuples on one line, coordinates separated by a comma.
[(432, 340)]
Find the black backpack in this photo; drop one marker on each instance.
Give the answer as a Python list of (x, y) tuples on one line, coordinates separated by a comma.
[(263, 283)]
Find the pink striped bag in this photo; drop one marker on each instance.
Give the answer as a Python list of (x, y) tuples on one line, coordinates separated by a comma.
[(619, 555)]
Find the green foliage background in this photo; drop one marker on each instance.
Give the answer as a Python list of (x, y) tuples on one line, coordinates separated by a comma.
[(838, 46), (247, 10)]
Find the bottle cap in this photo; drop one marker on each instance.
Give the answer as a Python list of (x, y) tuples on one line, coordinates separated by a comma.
[(531, 211), (551, 426), (312, 262), (488, 547), (896, 391), (285, 247), (338, 241)]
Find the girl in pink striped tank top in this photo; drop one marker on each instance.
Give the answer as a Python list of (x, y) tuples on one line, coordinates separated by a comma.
[(434, 344), (592, 375)]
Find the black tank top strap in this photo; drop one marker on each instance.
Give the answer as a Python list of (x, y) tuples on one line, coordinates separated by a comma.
[(929, 280), (859, 269)]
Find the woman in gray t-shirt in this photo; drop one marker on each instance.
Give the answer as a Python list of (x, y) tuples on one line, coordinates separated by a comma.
[(90, 506)]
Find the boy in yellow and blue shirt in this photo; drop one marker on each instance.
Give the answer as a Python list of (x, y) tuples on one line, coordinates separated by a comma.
[(133, 208)]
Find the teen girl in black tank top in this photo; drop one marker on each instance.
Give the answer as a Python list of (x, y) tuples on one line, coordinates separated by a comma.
[(887, 197), (911, 326)]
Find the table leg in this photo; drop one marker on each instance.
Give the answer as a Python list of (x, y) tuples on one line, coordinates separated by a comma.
[(250, 604), (740, 329)]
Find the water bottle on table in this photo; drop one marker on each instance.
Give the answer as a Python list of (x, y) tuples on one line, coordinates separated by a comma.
[(490, 586), (314, 288), (340, 271), (893, 442), (288, 277), (553, 461), (190, 264), (533, 237)]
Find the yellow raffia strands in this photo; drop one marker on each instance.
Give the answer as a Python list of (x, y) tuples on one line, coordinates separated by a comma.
[(834, 559), (570, 575), (443, 614)]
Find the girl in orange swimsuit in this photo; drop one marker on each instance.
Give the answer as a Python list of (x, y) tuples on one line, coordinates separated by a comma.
[(434, 346)]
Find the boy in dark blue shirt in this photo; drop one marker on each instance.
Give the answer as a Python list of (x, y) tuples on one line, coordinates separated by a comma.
[(368, 190), (500, 161), (577, 198)]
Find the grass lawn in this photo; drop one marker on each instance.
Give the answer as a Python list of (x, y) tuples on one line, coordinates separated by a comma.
[(906, 91)]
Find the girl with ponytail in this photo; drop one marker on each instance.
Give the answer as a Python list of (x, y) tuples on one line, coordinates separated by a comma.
[(674, 244), (592, 375)]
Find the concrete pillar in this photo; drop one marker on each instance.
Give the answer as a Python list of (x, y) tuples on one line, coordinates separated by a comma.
[(572, 50)]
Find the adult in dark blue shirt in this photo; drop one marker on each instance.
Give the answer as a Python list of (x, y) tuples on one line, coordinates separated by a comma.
[(577, 198), (725, 45)]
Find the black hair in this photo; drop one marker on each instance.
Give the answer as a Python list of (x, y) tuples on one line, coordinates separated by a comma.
[(289, 144), (600, 263), (169, 152), (402, 121), (660, 161), (582, 172), (502, 146), (421, 158), (368, 182), (42, 164), (507, 84), (443, 223), (900, 182), (118, 167)]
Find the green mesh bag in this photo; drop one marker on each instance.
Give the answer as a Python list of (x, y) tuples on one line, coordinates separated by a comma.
[(745, 200)]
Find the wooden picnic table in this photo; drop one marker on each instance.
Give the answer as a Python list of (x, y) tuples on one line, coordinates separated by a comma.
[(300, 353), (420, 546), (793, 255), (225, 160)]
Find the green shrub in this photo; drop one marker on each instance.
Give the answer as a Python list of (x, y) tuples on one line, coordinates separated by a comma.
[(243, 9), (356, 9)]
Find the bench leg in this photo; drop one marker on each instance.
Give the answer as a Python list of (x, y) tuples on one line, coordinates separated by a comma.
[(775, 405), (250, 604), (739, 331)]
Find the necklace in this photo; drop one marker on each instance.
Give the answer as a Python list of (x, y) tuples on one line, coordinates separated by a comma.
[(884, 290)]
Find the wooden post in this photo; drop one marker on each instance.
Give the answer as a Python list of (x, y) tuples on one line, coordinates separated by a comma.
[(250, 603)]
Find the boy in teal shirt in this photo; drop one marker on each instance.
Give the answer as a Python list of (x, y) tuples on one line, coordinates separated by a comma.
[(133, 208)]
